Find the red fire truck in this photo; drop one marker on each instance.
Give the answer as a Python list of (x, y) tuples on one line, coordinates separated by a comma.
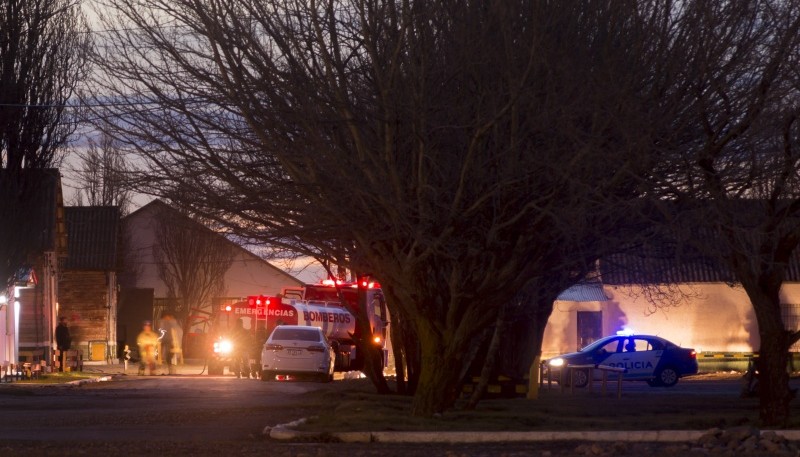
[(331, 306)]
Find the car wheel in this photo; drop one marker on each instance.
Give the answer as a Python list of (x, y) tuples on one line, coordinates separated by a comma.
[(580, 378), (667, 377), (267, 376)]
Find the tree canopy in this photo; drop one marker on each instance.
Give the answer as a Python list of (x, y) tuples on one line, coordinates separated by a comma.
[(43, 50), (460, 151)]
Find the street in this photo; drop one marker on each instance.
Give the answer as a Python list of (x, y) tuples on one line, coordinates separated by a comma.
[(159, 408), (176, 415), (207, 415)]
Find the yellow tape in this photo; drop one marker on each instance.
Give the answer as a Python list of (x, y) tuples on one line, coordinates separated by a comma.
[(728, 355)]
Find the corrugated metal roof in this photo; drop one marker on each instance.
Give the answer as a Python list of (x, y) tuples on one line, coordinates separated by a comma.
[(632, 269), (584, 292), (668, 262), (92, 236)]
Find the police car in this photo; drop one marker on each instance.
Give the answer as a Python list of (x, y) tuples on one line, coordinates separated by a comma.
[(644, 357)]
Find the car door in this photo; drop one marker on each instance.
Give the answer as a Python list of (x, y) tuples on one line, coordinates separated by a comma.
[(637, 357)]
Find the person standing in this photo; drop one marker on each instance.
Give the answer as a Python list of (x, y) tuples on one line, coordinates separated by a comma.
[(63, 341), (170, 340), (147, 341), (255, 351), (241, 350)]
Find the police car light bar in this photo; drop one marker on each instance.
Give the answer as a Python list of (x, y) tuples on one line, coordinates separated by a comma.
[(625, 332)]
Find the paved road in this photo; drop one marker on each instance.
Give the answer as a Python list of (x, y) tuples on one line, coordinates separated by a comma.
[(159, 407), (203, 415), (182, 415)]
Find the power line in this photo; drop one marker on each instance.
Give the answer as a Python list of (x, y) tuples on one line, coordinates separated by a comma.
[(98, 105)]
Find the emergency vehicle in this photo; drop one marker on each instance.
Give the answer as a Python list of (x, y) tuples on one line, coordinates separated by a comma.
[(330, 306), (642, 357)]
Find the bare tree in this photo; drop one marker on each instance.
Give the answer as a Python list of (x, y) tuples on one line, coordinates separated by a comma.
[(455, 150), (192, 261), (100, 175), (43, 46), (735, 175)]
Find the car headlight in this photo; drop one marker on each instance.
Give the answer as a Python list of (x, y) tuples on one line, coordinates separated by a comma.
[(557, 362), (223, 347)]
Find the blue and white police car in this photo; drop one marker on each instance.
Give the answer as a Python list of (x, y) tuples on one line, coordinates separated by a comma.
[(644, 357)]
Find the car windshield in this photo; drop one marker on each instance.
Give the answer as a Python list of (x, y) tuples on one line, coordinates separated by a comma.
[(298, 334)]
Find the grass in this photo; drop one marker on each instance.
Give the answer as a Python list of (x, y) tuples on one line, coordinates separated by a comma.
[(353, 407), (58, 378)]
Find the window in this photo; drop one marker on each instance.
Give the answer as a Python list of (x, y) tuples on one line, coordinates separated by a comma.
[(656, 345), (379, 307), (296, 334), (791, 319), (611, 346)]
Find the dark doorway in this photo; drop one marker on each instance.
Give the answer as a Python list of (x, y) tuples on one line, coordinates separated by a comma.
[(135, 306), (590, 327)]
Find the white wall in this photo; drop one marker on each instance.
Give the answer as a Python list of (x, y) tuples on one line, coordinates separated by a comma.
[(248, 275), (707, 317)]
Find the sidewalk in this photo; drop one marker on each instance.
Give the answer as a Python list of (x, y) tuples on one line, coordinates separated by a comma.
[(188, 368), (101, 371), (743, 440), (284, 433)]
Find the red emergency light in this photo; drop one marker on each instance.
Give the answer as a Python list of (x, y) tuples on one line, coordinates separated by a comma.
[(258, 301)]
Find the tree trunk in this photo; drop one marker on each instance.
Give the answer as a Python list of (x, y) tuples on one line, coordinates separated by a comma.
[(373, 367), (439, 378), (399, 359), (522, 339), (373, 355), (490, 360), (773, 384), (411, 353), (775, 396)]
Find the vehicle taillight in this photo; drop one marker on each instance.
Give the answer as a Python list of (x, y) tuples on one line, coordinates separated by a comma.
[(273, 347), (693, 354), (316, 348)]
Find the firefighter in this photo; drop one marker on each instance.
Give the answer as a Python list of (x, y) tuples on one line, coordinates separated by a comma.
[(147, 341), (241, 350), (170, 341)]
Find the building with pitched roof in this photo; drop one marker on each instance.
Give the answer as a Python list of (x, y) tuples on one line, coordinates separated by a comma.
[(28, 315), (144, 294), (88, 283), (693, 302)]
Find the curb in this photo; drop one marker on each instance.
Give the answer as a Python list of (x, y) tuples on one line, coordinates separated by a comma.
[(86, 381), (285, 433), (74, 383)]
